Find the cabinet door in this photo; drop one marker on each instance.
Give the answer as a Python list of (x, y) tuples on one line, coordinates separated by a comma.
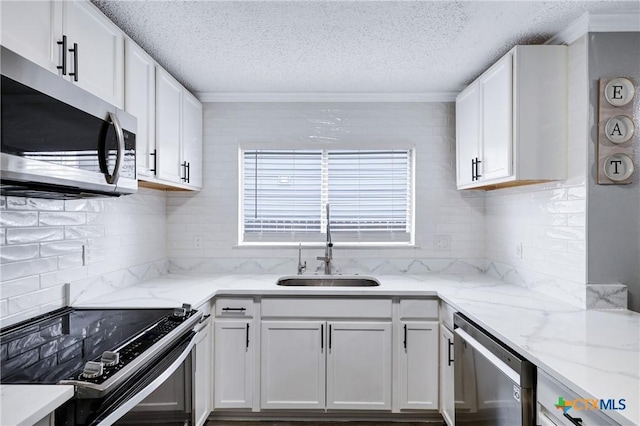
[(497, 118), (202, 378), (447, 397), (293, 364), (31, 29), (467, 134), (359, 365), (192, 138), (233, 364), (418, 365), (168, 112), (140, 101), (100, 55)]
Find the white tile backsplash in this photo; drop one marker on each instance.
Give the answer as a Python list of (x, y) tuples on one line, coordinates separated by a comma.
[(547, 220), (213, 213), (124, 242)]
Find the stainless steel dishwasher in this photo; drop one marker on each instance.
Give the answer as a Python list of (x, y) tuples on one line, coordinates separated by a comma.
[(498, 385)]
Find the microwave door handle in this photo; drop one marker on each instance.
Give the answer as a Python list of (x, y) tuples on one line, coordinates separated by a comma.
[(113, 178), (123, 409)]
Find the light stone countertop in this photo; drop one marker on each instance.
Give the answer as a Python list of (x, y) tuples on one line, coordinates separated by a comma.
[(595, 353), (24, 405)]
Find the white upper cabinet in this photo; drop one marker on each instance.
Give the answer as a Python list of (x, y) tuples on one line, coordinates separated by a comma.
[(192, 139), (96, 51), (168, 131), (71, 38), (140, 101), (32, 29), (511, 123), (178, 134)]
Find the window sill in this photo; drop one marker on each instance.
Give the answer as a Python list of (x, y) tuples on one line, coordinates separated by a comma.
[(355, 246)]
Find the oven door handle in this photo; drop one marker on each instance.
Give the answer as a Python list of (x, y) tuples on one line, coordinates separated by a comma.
[(135, 399), (113, 178), (494, 360)]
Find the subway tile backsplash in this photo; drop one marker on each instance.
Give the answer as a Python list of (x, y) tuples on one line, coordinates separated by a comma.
[(47, 244)]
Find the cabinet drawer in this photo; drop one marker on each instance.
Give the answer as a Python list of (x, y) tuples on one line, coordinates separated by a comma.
[(446, 314), (234, 308), (418, 308), (549, 389), (326, 308)]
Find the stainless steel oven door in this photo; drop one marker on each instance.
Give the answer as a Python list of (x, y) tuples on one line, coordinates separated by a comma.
[(500, 396), (165, 397)]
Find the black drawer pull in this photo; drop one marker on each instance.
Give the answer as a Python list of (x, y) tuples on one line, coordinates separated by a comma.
[(234, 309), (449, 359)]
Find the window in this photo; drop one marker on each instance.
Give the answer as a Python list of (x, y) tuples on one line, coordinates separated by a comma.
[(284, 193)]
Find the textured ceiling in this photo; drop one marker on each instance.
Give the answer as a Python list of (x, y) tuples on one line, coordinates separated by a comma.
[(338, 46)]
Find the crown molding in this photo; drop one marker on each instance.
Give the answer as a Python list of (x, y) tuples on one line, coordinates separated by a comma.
[(326, 97), (598, 23)]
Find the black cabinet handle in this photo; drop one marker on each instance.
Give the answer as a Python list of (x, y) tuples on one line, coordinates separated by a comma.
[(188, 172), (321, 337), (63, 43), (234, 309), (154, 154), (575, 420), (405, 336), (247, 344), (478, 175), (329, 336), (75, 62), (184, 168), (473, 169), (449, 359)]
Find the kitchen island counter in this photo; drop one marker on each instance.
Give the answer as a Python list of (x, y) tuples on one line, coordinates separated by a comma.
[(595, 353)]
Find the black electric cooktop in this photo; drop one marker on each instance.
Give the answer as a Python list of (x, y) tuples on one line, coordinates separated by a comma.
[(56, 346)]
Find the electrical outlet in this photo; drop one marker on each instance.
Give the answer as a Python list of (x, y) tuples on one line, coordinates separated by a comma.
[(518, 252), (442, 242), (197, 242)]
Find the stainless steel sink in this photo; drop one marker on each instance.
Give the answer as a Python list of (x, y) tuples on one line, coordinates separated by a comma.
[(328, 281)]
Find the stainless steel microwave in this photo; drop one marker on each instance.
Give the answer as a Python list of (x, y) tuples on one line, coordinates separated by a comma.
[(60, 141)]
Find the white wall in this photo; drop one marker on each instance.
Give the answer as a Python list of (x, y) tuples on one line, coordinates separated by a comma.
[(42, 243), (549, 220), (440, 208)]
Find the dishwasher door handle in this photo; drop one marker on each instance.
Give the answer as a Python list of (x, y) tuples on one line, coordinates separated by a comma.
[(494, 360)]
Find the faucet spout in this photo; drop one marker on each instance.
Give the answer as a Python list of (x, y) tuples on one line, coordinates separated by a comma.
[(301, 266), (328, 249)]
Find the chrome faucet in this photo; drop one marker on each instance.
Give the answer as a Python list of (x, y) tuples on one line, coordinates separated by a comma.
[(328, 249), (301, 266)]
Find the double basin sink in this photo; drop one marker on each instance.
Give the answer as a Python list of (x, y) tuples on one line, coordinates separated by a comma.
[(327, 281)]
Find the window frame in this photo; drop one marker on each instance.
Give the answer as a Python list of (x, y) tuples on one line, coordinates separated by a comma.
[(319, 244)]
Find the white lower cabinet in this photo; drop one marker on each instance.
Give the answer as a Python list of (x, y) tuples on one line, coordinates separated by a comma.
[(202, 377), (233, 364), (447, 394), (359, 365), (349, 362), (292, 367), (418, 365)]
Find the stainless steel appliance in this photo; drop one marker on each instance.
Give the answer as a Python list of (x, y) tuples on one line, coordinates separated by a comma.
[(59, 141), (115, 358), (503, 381)]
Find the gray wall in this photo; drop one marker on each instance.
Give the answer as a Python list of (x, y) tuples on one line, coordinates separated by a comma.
[(613, 211)]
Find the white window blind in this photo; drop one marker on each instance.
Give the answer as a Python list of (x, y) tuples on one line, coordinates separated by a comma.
[(284, 193)]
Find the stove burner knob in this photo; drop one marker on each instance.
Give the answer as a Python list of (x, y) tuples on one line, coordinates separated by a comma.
[(110, 358), (186, 307), (179, 313), (92, 369)]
